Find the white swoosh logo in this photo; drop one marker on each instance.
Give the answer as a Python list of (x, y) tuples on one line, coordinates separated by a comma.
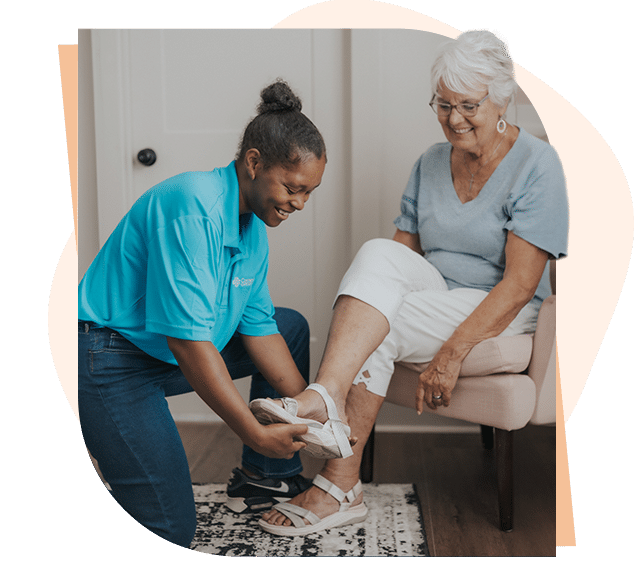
[(284, 488)]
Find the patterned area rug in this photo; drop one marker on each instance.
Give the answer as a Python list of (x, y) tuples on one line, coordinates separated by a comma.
[(394, 527)]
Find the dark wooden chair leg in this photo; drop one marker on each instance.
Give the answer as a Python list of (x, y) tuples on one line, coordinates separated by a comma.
[(486, 432), (367, 460), (504, 465), (503, 440)]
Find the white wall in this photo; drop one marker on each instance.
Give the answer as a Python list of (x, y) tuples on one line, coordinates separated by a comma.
[(88, 223)]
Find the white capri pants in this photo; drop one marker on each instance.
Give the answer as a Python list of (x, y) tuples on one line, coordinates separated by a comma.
[(422, 312)]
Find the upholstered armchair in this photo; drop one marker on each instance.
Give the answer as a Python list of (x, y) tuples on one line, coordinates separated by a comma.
[(505, 383)]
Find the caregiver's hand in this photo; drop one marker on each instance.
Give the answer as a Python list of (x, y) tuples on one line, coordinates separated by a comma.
[(278, 441), (439, 379)]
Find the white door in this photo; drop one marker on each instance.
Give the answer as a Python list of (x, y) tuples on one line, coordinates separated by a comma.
[(188, 95)]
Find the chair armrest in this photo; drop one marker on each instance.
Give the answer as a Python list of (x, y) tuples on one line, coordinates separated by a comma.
[(543, 363)]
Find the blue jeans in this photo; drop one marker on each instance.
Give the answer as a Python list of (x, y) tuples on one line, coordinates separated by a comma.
[(129, 430)]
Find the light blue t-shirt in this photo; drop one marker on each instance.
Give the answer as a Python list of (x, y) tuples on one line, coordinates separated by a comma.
[(526, 194), (183, 263)]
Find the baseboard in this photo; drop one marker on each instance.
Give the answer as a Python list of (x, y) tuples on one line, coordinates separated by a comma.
[(427, 429), (211, 418)]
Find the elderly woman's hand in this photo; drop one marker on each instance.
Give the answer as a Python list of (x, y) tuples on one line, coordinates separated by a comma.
[(437, 382)]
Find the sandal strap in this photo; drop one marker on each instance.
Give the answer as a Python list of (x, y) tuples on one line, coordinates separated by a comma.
[(336, 425), (331, 409), (297, 514), (290, 405), (339, 494), (341, 437)]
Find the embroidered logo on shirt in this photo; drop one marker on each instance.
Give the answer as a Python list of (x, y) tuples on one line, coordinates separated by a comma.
[(237, 282)]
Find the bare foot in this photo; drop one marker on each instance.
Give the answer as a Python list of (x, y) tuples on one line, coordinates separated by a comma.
[(311, 405)]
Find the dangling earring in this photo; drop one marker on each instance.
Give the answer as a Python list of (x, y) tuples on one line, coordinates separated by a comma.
[(501, 126)]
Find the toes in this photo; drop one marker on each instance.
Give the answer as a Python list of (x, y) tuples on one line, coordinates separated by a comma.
[(282, 521), (278, 519)]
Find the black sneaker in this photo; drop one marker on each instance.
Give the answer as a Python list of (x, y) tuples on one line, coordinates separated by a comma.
[(250, 494)]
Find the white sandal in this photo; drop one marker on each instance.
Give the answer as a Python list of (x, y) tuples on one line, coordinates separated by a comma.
[(347, 514), (324, 441)]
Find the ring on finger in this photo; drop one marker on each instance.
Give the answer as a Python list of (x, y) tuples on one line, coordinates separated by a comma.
[(436, 396)]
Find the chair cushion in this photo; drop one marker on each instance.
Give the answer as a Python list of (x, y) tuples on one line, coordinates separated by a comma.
[(502, 354), (503, 401)]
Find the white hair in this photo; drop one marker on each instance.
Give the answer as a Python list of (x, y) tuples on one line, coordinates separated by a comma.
[(476, 60)]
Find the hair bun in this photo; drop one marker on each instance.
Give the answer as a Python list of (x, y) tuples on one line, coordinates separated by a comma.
[(278, 97)]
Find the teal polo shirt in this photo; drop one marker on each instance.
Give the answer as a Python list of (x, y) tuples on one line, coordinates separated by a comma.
[(183, 263)]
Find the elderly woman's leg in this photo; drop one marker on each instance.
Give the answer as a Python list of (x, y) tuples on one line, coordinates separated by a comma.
[(371, 293), (356, 330), (362, 407), (358, 360), (369, 298)]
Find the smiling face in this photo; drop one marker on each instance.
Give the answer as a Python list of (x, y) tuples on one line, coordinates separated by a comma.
[(477, 134), (273, 194)]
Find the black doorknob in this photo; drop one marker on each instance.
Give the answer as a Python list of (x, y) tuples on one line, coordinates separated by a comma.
[(147, 157)]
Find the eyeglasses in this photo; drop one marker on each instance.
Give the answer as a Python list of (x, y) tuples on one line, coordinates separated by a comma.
[(466, 109)]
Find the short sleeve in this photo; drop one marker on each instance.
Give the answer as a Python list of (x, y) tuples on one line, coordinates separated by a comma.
[(182, 279), (408, 219), (538, 210)]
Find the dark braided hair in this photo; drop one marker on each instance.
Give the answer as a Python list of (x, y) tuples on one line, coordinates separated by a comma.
[(280, 132)]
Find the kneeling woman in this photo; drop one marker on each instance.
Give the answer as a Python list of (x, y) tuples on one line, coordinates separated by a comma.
[(177, 300)]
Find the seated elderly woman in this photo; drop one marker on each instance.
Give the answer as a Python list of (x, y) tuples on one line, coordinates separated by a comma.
[(481, 216)]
